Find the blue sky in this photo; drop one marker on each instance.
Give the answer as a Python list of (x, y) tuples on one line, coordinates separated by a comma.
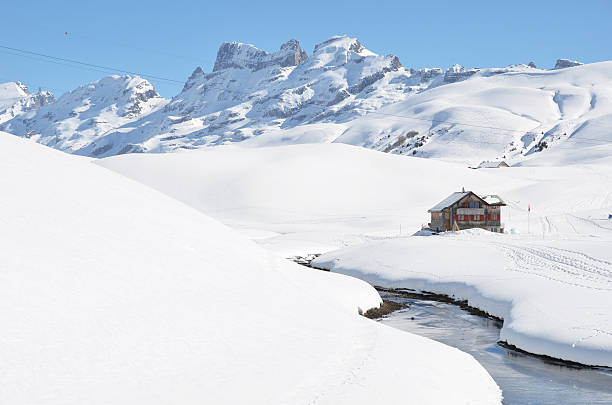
[(169, 39)]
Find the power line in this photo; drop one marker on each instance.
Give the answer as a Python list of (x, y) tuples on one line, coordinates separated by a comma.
[(91, 65)]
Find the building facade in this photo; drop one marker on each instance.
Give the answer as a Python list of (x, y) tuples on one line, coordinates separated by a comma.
[(466, 210)]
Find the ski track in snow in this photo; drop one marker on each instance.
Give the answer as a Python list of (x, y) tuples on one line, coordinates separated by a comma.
[(574, 268)]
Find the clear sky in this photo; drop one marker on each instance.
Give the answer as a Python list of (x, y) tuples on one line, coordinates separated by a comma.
[(170, 38)]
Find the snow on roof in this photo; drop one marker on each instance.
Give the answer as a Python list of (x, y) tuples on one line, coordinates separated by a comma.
[(488, 165), (493, 199), (450, 200)]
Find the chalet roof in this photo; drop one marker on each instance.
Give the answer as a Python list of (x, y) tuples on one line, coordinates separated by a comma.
[(490, 165), (448, 201), (493, 200)]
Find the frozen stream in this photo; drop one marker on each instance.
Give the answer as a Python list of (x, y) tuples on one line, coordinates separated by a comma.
[(523, 379)]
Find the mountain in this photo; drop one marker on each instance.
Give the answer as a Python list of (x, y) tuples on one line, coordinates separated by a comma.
[(250, 92), (16, 99), (342, 92), (83, 115), (516, 113), (565, 63)]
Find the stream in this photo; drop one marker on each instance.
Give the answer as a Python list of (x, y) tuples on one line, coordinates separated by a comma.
[(524, 379)]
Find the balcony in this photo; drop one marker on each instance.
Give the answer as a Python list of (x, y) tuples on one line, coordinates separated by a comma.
[(470, 211)]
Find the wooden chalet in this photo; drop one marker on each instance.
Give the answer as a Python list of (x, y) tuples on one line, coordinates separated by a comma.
[(492, 165), (466, 210)]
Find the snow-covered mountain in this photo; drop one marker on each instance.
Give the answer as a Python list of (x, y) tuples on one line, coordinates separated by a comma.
[(342, 92), (78, 118), (250, 92), (512, 113), (16, 99)]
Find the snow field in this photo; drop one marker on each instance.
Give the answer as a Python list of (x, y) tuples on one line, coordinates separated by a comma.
[(304, 199), (553, 297), (114, 293)]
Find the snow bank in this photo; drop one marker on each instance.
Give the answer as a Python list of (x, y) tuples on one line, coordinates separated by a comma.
[(554, 295), (111, 292)]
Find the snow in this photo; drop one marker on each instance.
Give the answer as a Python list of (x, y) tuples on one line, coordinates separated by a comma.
[(448, 201), (314, 198), (15, 99), (498, 114), (554, 296), (10, 93), (78, 119), (490, 165), (112, 292)]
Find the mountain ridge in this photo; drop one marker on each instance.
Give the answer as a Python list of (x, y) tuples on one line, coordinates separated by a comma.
[(251, 93)]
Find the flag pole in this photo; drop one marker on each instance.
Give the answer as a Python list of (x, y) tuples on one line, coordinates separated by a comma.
[(528, 218)]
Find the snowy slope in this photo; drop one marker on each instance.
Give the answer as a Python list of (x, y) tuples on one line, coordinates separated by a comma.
[(79, 118), (554, 296), (304, 199), (312, 198), (114, 293), (11, 92), (513, 113), (16, 99)]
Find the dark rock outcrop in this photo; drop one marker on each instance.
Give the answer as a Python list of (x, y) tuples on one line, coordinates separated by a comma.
[(244, 56), (566, 63)]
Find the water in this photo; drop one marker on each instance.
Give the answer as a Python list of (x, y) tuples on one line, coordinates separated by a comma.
[(523, 379)]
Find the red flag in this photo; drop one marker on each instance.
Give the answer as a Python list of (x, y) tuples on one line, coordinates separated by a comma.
[(529, 208)]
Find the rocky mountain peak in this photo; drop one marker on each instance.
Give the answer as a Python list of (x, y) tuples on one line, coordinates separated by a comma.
[(193, 79), (295, 54), (236, 55), (22, 87), (457, 73), (15, 99), (340, 42), (565, 63)]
